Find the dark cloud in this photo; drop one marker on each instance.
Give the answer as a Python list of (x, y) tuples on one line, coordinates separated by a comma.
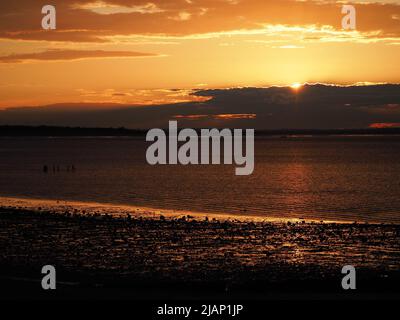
[(312, 107)]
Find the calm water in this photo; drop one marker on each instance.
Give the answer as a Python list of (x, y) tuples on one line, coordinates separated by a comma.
[(346, 178)]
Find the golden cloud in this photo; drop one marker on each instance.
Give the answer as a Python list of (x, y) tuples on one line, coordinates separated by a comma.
[(57, 55), (99, 19)]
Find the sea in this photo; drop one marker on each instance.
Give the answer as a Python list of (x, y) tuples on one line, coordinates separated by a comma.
[(343, 177)]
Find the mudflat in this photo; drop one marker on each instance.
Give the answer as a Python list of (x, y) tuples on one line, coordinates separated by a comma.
[(146, 257)]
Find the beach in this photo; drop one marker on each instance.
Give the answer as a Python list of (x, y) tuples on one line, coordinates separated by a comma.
[(145, 254)]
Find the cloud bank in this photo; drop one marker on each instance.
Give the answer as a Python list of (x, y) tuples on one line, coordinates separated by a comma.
[(316, 106), (99, 21)]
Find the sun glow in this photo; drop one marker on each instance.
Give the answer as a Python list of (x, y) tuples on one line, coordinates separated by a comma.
[(296, 86)]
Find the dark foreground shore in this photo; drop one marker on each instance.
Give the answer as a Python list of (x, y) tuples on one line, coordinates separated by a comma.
[(167, 258)]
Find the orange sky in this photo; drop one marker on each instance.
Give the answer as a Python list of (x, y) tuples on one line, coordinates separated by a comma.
[(141, 52)]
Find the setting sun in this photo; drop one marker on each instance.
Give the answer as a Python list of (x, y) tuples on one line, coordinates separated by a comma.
[(296, 86)]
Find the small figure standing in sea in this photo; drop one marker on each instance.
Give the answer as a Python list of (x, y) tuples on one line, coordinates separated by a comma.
[(70, 168), (57, 168)]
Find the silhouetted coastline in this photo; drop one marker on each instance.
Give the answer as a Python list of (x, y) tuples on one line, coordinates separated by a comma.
[(43, 131)]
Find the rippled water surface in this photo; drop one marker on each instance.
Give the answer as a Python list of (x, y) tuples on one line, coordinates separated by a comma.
[(333, 178)]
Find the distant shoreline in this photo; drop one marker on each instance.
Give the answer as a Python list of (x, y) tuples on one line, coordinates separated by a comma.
[(121, 210), (118, 210), (43, 131)]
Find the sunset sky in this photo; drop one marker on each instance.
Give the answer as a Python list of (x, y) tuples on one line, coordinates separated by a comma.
[(155, 52)]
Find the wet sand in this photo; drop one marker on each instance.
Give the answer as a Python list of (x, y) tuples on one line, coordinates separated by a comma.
[(154, 255)]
